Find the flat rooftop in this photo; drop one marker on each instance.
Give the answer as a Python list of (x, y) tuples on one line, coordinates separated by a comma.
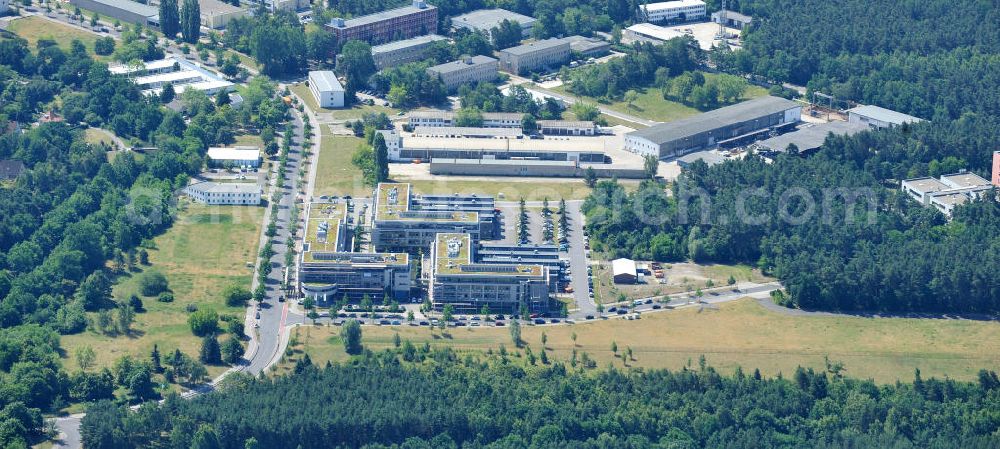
[(565, 123), (392, 203), (557, 145), (169, 77), (226, 187), (159, 64), (214, 7), (328, 215), (384, 15), (719, 118), (462, 64), (454, 257), (487, 19), (655, 31), (673, 4), (926, 185), (234, 153), (965, 180), (950, 199), (432, 131), (325, 81), (812, 135), (532, 47), (883, 114), (501, 162), (132, 7), (406, 43)]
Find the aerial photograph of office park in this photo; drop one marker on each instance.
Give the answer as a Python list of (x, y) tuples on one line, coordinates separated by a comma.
[(491, 224)]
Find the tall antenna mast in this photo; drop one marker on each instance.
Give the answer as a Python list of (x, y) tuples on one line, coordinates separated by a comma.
[(722, 21)]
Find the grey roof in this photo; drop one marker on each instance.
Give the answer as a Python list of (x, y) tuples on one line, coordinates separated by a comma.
[(461, 64), (740, 112), (211, 7), (385, 15), (487, 19), (496, 162), (883, 114), (419, 40), (585, 44), (710, 158), (733, 15), (226, 187), (466, 131), (565, 123), (132, 7), (10, 169), (812, 135), (532, 47), (326, 80)]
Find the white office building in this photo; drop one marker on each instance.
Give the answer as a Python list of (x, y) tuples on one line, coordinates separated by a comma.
[(225, 193), (469, 70), (948, 192), (674, 11), (234, 157), (326, 89)]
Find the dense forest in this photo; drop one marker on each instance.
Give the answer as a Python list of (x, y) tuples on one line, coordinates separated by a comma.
[(80, 215), (378, 401)]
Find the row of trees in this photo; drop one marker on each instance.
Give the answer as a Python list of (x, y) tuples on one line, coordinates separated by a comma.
[(186, 20), (645, 65), (491, 403)]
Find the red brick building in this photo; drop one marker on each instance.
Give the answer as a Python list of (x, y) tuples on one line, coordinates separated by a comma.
[(417, 19)]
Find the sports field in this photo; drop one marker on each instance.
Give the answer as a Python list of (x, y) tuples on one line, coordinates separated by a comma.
[(738, 333)]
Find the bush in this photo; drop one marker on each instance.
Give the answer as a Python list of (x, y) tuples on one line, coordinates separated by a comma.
[(191, 308), (204, 323), (153, 283), (236, 296), (166, 297), (136, 303)]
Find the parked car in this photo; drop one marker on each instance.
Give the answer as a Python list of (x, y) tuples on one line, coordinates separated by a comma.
[(657, 307), (539, 321), (590, 317)]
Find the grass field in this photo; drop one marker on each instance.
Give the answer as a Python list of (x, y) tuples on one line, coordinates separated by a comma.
[(204, 251), (34, 28), (250, 140), (651, 105), (97, 136), (740, 333), (353, 113), (335, 174)]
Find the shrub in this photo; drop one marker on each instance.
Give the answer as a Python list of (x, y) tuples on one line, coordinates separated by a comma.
[(204, 323), (166, 297), (153, 283)]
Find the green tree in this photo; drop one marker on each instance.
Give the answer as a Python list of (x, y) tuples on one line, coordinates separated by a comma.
[(650, 165), (350, 334), (205, 437), (630, 97), (528, 124), (469, 117), (590, 177), (448, 313), (204, 323), (190, 21), (210, 352), (167, 94), (85, 357), (236, 295), (152, 283), (232, 351), (356, 63), (381, 158), (169, 18), (515, 333)]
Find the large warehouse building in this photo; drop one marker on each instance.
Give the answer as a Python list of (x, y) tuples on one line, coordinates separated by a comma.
[(410, 149), (876, 117), (387, 26), (124, 10), (739, 123)]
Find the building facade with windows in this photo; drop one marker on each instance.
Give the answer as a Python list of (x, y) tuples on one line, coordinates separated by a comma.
[(329, 271), (403, 52), (402, 223), (457, 279), (469, 70), (227, 157), (326, 88), (414, 20), (946, 193), (674, 11), (876, 117), (225, 193), (535, 56)]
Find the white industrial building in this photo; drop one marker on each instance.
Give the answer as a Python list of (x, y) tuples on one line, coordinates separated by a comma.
[(153, 76), (242, 156), (948, 192), (225, 193), (732, 19), (326, 88), (623, 271), (674, 11), (648, 32), (877, 117)]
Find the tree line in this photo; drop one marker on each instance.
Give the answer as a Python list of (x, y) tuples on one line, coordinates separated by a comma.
[(411, 397)]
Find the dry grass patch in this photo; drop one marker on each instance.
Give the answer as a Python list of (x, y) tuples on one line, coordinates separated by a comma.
[(740, 333)]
